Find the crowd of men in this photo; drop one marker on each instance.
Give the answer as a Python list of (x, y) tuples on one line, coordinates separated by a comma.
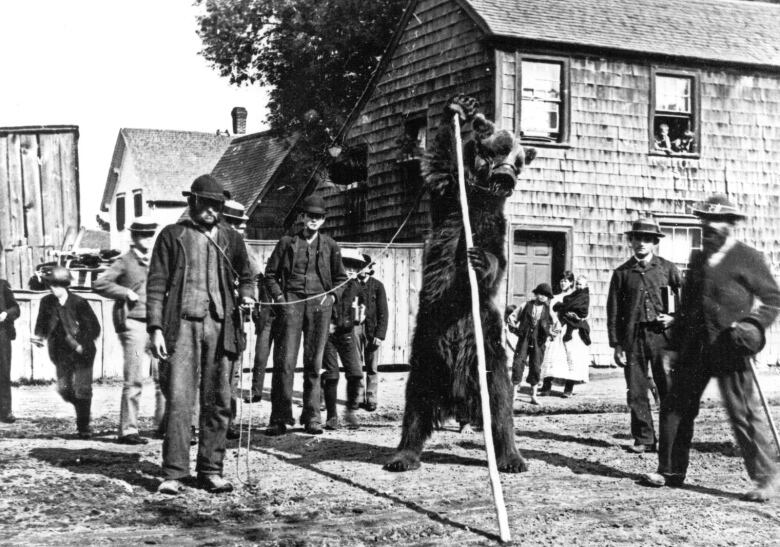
[(185, 299)]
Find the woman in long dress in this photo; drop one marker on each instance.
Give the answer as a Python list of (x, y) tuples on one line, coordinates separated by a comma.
[(567, 356)]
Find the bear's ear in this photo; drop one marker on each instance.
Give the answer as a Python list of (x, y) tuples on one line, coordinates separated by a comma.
[(530, 154)]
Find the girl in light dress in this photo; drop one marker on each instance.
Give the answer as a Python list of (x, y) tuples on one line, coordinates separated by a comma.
[(568, 360)]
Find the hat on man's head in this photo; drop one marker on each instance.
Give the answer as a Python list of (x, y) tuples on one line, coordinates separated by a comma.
[(719, 207), (545, 289), (313, 204), (646, 226), (367, 260), (59, 276), (233, 211), (208, 187), (352, 257), (143, 226)]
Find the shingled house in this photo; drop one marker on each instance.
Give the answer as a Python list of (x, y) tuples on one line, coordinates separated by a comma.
[(589, 84), (149, 169), (257, 169)]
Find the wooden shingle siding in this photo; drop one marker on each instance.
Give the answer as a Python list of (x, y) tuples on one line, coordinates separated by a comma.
[(607, 177), (605, 174), (440, 53)]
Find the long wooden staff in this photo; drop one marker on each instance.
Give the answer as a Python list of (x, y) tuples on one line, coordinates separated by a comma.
[(487, 426), (765, 404)]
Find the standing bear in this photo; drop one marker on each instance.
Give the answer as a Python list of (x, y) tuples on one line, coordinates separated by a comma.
[(443, 379)]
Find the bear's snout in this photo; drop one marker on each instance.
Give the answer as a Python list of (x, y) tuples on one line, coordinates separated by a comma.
[(502, 179)]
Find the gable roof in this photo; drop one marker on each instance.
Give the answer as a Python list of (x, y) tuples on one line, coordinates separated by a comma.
[(249, 164), (731, 31), (166, 161)]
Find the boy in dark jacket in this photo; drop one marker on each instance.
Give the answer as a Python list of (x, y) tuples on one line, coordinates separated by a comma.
[(68, 324), (533, 329), (342, 343), (371, 330)]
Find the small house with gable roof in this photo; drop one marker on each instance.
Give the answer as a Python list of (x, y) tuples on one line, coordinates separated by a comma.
[(149, 170)]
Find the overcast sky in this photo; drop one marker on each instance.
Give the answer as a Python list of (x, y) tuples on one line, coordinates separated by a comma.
[(107, 64)]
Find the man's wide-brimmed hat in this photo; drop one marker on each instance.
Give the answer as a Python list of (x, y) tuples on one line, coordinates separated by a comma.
[(719, 207), (645, 226), (368, 261), (208, 187), (234, 211), (58, 276), (313, 204), (143, 225), (545, 289), (353, 257)]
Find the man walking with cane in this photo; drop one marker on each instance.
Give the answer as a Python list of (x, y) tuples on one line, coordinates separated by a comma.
[(720, 328)]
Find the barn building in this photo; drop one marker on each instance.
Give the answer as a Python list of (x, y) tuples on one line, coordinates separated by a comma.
[(635, 109)]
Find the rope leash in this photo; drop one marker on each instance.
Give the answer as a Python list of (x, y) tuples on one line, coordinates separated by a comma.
[(246, 480)]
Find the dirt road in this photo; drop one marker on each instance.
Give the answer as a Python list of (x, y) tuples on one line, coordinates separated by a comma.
[(581, 488)]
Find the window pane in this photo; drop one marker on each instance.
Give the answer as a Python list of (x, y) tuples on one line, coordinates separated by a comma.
[(541, 99), (120, 213), (672, 94)]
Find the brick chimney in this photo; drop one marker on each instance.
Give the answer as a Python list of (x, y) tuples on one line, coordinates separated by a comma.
[(239, 120)]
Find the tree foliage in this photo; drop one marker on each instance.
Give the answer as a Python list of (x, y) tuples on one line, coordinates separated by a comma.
[(316, 56)]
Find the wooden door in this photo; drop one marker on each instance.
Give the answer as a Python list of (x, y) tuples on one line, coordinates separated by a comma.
[(531, 263)]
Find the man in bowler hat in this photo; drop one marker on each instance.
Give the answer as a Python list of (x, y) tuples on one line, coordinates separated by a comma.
[(637, 323), (125, 283), (304, 276), (199, 275), (729, 300)]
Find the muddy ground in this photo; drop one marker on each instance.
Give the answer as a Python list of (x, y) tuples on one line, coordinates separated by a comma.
[(581, 488)]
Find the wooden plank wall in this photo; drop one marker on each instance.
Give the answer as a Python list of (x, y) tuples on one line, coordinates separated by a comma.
[(439, 54), (39, 198), (399, 268)]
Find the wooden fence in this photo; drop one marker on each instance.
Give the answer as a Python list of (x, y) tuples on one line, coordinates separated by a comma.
[(399, 268)]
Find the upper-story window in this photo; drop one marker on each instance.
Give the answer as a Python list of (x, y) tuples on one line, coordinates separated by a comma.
[(674, 113), (120, 212), (533, 97), (414, 139), (683, 235), (138, 203)]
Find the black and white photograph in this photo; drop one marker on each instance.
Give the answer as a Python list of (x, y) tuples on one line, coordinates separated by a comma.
[(390, 272)]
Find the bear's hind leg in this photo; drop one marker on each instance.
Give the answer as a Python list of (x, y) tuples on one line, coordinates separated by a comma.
[(500, 390), (417, 427)]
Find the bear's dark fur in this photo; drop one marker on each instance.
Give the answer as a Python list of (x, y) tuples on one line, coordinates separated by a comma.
[(443, 379)]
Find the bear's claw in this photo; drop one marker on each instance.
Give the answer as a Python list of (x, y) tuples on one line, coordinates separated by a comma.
[(512, 464), (403, 461)]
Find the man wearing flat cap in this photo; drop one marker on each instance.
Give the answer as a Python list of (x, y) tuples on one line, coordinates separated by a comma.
[(125, 283), (638, 320), (729, 300), (199, 275), (304, 276)]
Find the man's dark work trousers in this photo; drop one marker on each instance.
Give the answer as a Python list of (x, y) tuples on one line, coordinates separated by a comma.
[(198, 349), (740, 397), (646, 352), (5, 374), (262, 351), (310, 318)]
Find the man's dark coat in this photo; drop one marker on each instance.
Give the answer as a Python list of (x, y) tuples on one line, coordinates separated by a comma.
[(626, 296), (165, 283), (714, 297), (280, 265), (8, 304)]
